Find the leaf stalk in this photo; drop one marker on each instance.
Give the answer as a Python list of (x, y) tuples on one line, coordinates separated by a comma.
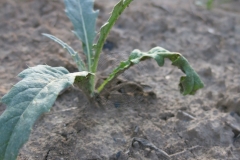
[(104, 31)]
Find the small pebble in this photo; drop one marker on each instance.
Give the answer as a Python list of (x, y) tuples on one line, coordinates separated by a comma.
[(136, 129), (136, 145), (148, 150)]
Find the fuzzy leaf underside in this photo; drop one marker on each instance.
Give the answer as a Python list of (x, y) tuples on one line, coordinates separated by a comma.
[(27, 100), (83, 18), (72, 52), (188, 84)]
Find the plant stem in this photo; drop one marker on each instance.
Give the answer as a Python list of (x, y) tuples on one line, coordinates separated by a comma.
[(104, 31)]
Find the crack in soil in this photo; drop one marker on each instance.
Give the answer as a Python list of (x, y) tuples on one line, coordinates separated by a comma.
[(46, 156), (188, 149)]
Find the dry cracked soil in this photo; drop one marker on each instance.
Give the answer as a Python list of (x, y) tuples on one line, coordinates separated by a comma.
[(158, 123)]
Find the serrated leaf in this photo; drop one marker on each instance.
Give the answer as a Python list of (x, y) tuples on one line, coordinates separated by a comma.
[(72, 52), (83, 17), (188, 84), (27, 100), (105, 29)]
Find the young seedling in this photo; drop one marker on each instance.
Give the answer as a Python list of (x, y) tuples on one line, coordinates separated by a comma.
[(209, 4), (40, 85)]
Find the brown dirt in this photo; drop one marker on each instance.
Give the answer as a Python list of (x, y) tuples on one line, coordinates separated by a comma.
[(205, 126)]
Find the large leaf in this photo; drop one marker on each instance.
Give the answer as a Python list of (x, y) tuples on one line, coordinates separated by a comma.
[(188, 84), (72, 52), (83, 17), (27, 100)]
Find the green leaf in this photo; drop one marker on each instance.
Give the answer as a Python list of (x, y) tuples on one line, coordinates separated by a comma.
[(72, 52), (188, 84), (27, 100), (209, 4), (83, 17), (105, 29)]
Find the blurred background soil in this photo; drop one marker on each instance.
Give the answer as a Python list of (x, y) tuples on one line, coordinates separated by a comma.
[(204, 126)]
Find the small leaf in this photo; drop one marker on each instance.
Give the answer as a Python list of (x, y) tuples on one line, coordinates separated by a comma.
[(74, 54), (188, 84), (27, 100), (105, 29), (83, 17)]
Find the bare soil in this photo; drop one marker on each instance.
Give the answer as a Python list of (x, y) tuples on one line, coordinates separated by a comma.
[(155, 122)]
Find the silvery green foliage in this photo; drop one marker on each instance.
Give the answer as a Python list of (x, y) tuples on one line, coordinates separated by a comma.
[(83, 18), (188, 84), (80, 64), (27, 100), (38, 90)]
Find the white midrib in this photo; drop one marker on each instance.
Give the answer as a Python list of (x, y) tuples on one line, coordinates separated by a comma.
[(86, 38)]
